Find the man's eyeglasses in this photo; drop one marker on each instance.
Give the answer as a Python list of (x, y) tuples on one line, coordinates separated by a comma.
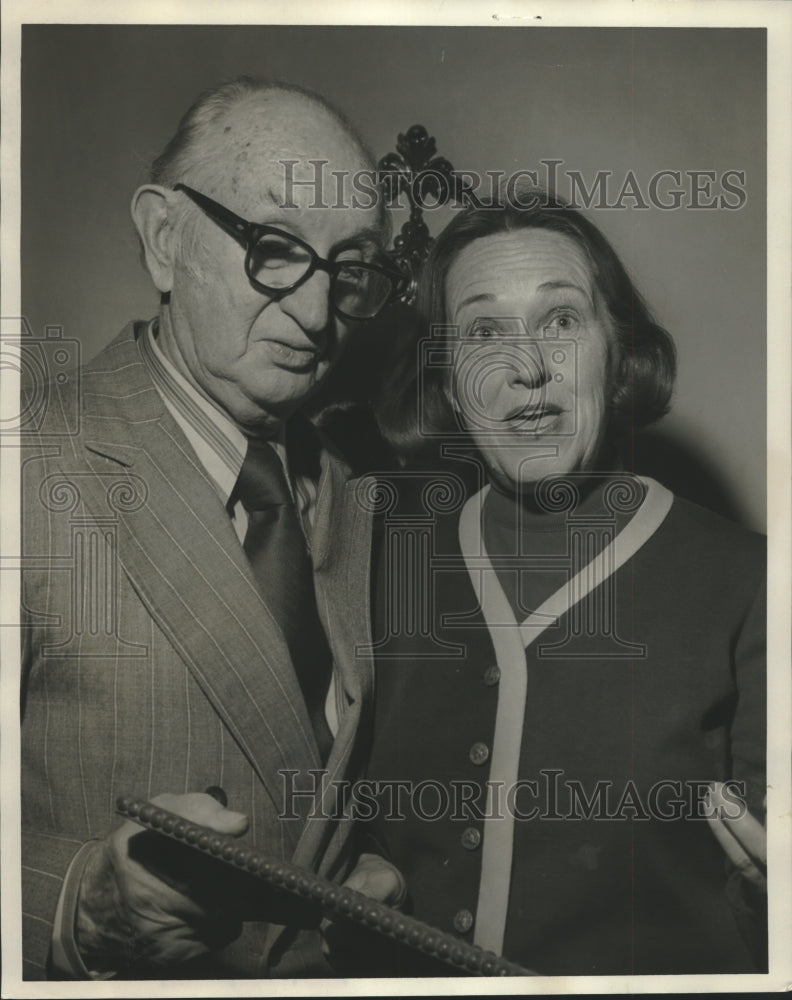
[(277, 262)]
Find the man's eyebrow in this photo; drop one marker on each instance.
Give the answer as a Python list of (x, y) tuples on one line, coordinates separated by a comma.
[(371, 234)]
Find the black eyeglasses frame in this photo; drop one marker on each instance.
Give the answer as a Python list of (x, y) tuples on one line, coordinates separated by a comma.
[(247, 234)]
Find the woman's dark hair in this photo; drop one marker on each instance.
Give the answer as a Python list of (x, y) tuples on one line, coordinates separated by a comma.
[(646, 352)]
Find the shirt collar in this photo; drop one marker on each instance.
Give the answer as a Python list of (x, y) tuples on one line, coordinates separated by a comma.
[(217, 441)]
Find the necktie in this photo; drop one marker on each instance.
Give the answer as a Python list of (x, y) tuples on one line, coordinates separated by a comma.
[(275, 547)]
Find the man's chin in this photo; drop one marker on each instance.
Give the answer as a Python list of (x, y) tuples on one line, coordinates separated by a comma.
[(274, 408)]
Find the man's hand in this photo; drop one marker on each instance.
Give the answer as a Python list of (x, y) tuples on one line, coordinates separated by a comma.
[(744, 839), (144, 899), (352, 950)]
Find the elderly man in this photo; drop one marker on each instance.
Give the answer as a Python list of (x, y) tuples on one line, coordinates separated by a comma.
[(197, 574)]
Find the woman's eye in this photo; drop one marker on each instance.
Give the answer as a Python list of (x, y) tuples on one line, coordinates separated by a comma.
[(483, 331), (562, 323)]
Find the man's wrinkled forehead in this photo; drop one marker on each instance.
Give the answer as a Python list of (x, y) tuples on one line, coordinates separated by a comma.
[(283, 150)]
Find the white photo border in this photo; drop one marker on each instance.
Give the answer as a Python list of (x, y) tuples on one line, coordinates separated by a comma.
[(776, 17)]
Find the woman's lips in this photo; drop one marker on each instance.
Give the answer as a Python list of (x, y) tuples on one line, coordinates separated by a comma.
[(534, 419)]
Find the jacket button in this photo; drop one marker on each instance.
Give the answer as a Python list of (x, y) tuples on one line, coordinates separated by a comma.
[(463, 921), (479, 753), (491, 675), (471, 838)]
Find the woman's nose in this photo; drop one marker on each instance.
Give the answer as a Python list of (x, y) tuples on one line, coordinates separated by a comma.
[(530, 368)]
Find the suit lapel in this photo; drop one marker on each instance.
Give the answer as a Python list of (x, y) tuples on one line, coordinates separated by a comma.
[(181, 554), (341, 551)]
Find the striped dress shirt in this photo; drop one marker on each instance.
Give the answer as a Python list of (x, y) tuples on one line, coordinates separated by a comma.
[(218, 443)]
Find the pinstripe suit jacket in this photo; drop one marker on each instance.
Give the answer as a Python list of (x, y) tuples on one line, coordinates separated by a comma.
[(150, 662)]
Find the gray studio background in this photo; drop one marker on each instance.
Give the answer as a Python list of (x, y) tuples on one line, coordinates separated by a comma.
[(99, 102)]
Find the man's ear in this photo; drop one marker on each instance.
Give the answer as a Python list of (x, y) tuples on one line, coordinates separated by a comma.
[(152, 214)]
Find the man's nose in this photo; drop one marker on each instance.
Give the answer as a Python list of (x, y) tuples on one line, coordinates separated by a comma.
[(309, 303), (530, 367)]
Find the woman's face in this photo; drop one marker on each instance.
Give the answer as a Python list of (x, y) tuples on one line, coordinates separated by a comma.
[(534, 362)]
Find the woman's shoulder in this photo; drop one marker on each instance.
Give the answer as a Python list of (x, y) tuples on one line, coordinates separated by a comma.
[(702, 533)]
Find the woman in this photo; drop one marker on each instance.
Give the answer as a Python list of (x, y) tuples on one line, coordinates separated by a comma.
[(577, 655)]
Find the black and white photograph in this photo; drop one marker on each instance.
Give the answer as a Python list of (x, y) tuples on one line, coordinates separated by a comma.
[(395, 441)]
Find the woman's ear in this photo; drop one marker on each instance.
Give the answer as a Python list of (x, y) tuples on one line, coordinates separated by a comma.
[(152, 214)]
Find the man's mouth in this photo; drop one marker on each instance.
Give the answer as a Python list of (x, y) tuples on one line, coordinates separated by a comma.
[(295, 358)]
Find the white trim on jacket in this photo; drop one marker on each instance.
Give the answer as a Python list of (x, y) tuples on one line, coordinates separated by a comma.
[(510, 640)]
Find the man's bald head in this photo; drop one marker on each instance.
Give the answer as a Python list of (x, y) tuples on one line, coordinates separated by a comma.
[(235, 129), (188, 155)]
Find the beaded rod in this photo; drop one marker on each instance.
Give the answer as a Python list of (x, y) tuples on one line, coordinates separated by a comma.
[(332, 898)]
